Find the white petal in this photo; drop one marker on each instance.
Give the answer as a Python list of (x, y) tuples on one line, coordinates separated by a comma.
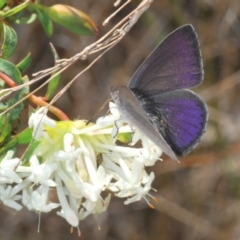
[(12, 204), (10, 164), (68, 142), (12, 176)]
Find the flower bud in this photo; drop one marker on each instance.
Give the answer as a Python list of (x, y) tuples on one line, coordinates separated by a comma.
[(72, 19)]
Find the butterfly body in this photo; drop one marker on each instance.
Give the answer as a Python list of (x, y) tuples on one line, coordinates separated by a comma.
[(157, 101), (128, 103)]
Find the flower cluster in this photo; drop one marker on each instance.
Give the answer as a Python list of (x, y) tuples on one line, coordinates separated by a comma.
[(82, 162)]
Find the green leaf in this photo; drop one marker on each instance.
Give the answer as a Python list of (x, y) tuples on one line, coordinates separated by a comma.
[(3, 107), (9, 146), (2, 3), (25, 63), (6, 120), (124, 137), (9, 41), (24, 137), (26, 20), (4, 94), (15, 10), (16, 111), (30, 150), (72, 19), (11, 70), (52, 86), (5, 127), (45, 21)]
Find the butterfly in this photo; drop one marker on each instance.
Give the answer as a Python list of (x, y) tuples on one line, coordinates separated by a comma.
[(156, 100)]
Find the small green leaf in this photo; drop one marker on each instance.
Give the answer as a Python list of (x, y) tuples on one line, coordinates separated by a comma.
[(4, 94), (54, 52), (52, 86), (26, 20), (3, 106), (5, 127), (29, 151), (24, 137), (2, 3), (2, 84), (15, 10), (124, 137), (9, 41), (11, 70), (16, 111), (6, 120), (45, 21), (72, 19), (9, 146), (25, 63)]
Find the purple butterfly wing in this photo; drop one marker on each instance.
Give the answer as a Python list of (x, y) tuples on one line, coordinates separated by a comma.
[(179, 116), (175, 63)]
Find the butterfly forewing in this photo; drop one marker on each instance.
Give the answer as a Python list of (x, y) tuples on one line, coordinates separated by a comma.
[(174, 64)]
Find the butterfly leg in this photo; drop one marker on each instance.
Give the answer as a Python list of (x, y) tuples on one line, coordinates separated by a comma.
[(117, 125)]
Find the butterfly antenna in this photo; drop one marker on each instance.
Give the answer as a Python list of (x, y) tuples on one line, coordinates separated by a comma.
[(101, 108)]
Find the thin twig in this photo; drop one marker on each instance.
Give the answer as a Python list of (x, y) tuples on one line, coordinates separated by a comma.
[(105, 43)]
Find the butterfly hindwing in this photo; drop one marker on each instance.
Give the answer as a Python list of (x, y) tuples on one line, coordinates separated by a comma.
[(179, 116)]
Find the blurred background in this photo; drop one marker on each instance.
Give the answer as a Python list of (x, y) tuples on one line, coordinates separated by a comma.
[(198, 198)]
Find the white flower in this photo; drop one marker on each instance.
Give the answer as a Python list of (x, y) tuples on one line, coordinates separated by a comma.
[(97, 207), (99, 179), (109, 119), (131, 182), (83, 163), (151, 152), (37, 121), (41, 173), (7, 169), (141, 191), (131, 178), (82, 214), (38, 200), (9, 197), (70, 154), (66, 212)]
